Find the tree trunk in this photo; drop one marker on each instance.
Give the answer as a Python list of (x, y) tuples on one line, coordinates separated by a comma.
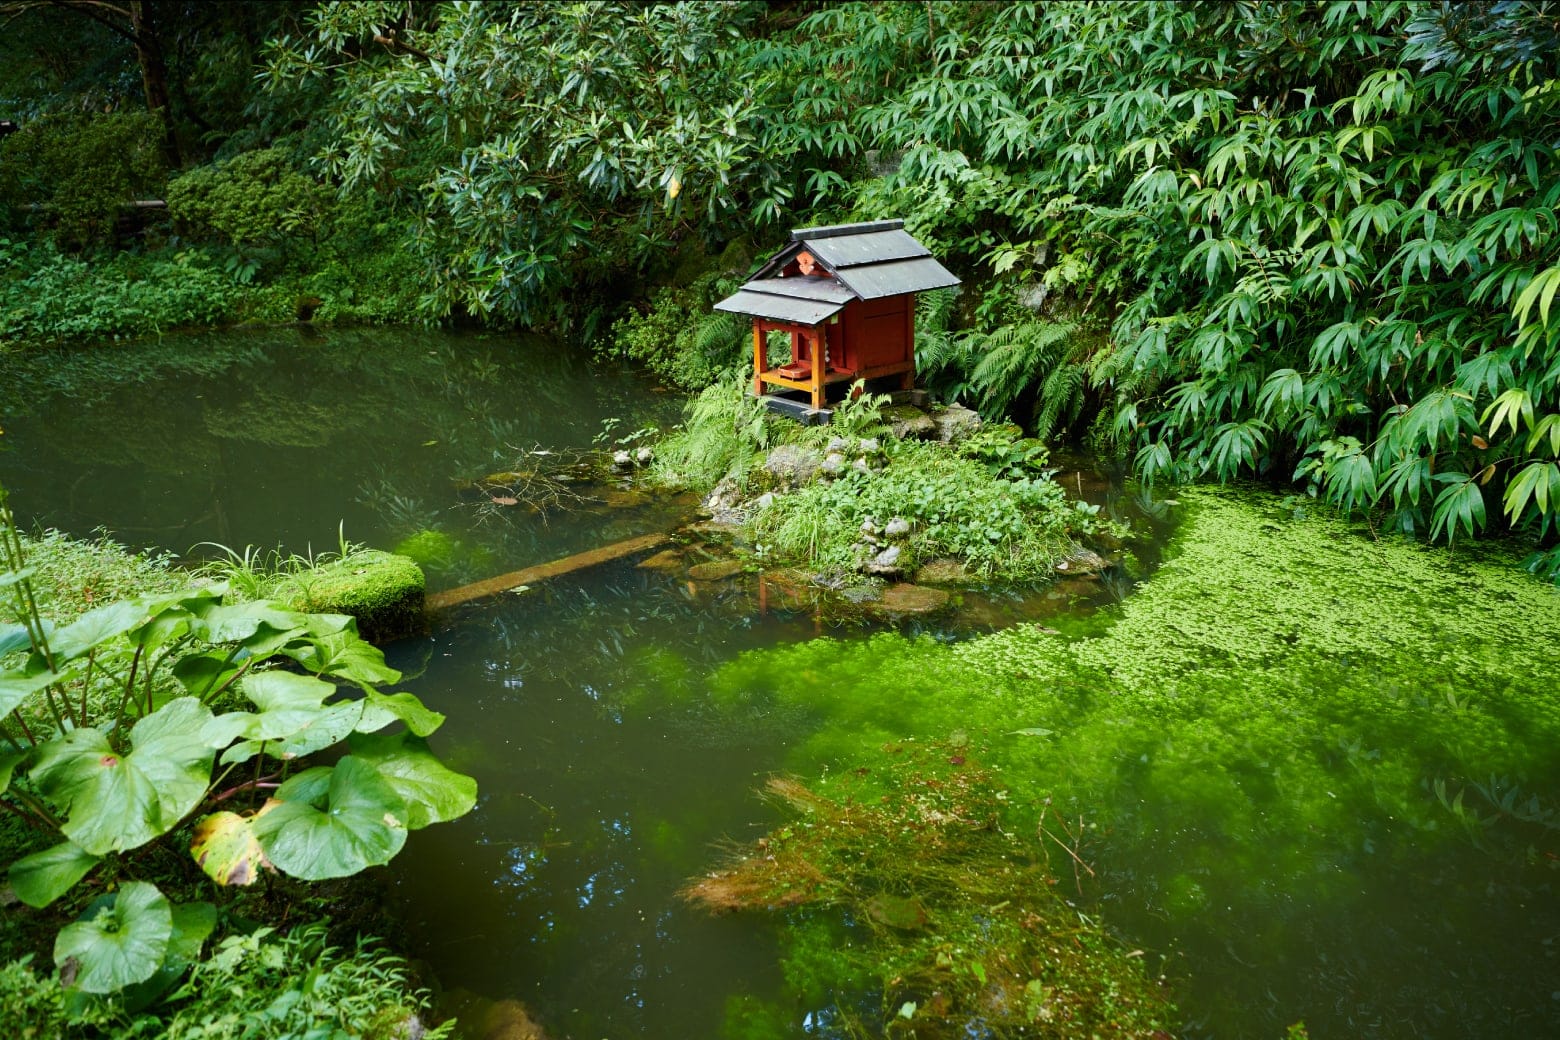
[(154, 76)]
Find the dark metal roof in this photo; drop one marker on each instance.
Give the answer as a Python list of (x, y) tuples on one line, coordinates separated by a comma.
[(824, 290), (836, 230), (871, 248), (780, 308), (869, 260), (873, 281)]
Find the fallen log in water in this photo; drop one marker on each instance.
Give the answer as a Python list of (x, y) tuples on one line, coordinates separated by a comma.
[(532, 575)]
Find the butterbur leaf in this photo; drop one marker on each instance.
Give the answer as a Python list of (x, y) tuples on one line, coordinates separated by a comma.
[(294, 719), (433, 792), (119, 941), (116, 802), (345, 655), (13, 638), (44, 876), (9, 760), (17, 684), (193, 924), (225, 847), (216, 622), (95, 627), (359, 823), (382, 709)]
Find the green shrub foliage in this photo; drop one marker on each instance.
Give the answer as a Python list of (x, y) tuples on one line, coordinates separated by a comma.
[(73, 173)]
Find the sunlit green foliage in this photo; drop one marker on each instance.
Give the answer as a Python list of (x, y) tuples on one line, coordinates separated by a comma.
[(1283, 712), (118, 740), (255, 987)]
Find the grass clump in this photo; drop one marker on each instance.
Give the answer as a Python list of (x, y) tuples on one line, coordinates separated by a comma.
[(1000, 527), (383, 591), (959, 925)]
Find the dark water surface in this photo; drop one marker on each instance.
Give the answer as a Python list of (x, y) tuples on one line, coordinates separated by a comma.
[(606, 779)]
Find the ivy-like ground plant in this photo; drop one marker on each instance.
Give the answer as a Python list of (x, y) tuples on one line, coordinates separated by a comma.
[(115, 743)]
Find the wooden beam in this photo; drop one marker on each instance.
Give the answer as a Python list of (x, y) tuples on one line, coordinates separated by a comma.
[(759, 358), (557, 568)]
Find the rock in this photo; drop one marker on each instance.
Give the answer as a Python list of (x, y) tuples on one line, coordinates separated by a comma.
[(668, 561), (764, 501), (1082, 561), (869, 526), (791, 465), (715, 570), (510, 1020), (837, 446), (723, 498), (898, 527), (885, 562), (644, 456), (790, 588), (383, 591), (622, 461), (907, 421), (833, 465), (859, 594), (618, 498), (869, 446), (861, 466), (905, 598), (954, 423), (945, 571), (918, 398)]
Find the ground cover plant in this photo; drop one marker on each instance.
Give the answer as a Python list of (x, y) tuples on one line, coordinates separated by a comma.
[(988, 501), (1287, 725), (124, 760)]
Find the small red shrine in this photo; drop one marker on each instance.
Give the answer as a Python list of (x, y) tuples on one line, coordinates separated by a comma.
[(845, 295)]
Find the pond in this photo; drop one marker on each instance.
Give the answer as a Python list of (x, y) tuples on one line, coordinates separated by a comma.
[(614, 758)]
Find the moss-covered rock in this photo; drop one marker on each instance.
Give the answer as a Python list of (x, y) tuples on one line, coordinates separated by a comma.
[(383, 591)]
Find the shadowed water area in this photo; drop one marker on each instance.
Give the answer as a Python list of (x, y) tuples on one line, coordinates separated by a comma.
[(619, 722)]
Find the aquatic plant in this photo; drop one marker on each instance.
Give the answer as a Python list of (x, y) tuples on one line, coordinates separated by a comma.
[(959, 921), (1290, 723)]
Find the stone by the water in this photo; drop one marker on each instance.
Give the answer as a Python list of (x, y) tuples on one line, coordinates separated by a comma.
[(898, 527), (905, 598), (715, 570)]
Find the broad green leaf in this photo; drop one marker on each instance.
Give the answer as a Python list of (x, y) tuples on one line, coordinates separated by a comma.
[(94, 628), (9, 760), (10, 578), (13, 638), (345, 655), (293, 719), (204, 672), (193, 924), (225, 847), (433, 792), (118, 942), (230, 623), (44, 876), (116, 802), (17, 684), (379, 710), (360, 823)]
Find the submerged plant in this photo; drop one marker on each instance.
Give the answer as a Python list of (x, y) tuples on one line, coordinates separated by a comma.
[(957, 925)]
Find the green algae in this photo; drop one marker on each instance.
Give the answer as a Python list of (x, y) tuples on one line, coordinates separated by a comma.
[(1289, 726)]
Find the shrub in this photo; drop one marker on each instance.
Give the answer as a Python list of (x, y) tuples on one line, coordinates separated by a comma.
[(681, 339), (251, 199), (79, 171)]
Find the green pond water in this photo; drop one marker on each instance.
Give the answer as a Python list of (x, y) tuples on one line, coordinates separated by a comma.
[(1268, 775)]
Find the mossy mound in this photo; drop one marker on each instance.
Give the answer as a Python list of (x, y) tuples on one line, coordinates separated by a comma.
[(383, 591)]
